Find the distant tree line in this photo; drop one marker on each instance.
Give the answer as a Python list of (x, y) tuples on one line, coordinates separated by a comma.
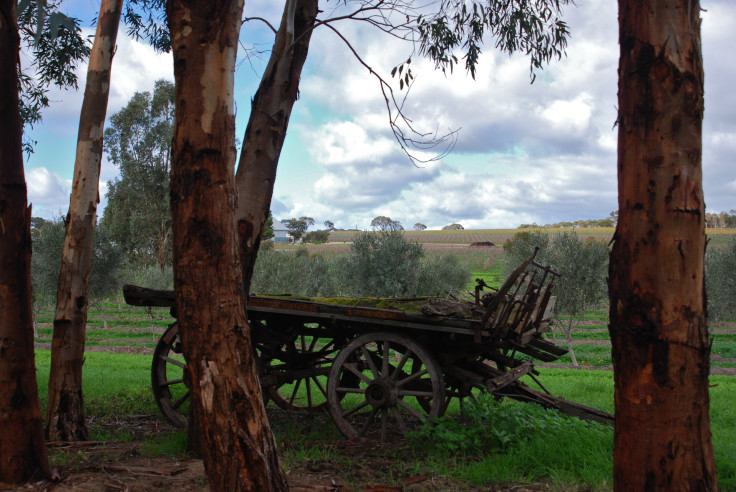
[(720, 220), (609, 221), (713, 220)]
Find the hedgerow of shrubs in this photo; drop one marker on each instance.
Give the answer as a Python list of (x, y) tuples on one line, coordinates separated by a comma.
[(380, 264), (720, 281)]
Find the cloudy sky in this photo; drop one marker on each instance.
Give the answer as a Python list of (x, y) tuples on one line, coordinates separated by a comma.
[(542, 152)]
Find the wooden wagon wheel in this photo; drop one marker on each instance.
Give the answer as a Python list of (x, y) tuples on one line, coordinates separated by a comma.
[(391, 373), (305, 364), (168, 378)]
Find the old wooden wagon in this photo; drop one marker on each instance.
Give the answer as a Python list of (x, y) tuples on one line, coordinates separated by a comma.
[(380, 366)]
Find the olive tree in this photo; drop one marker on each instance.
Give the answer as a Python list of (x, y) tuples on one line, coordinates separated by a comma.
[(383, 223), (105, 272), (582, 264), (720, 281)]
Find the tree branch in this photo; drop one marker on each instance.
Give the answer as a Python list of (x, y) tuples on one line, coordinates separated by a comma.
[(398, 117), (246, 19)]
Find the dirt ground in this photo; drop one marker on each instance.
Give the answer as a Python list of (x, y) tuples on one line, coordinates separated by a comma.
[(121, 466)]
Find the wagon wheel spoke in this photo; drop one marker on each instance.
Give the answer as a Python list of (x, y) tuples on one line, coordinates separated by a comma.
[(356, 408), (384, 422), (350, 390), (399, 419), (172, 381), (369, 359), (177, 363), (321, 387), (391, 373), (353, 368), (181, 400), (416, 413), (294, 392), (412, 377), (402, 362), (368, 422), (300, 368), (169, 381), (386, 357)]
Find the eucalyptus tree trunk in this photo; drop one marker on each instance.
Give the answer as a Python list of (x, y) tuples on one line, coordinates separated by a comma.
[(22, 445), (65, 412), (236, 442), (656, 282), (266, 131)]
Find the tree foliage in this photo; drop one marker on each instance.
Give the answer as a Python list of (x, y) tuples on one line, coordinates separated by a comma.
[(317, 237), (107, 263), (278, 272), (720, 281), (268, 228), (147, 19), (582, 264), (381, 264), (383, 223), (453, 227), (138, 141), (386, 264), (297, 227), (419, 226), (56, 47), (533, 27), (720, 220), (48, 241)]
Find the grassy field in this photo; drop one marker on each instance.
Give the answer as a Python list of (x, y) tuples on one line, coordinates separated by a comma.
[(521, 443), (516, 443)]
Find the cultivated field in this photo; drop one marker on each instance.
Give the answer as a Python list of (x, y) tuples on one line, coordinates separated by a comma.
[(499, 236)]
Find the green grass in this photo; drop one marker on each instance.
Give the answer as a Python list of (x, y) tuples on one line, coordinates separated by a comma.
[(113, 384), (116, 385), (724, 348), (587, 335), (723, 428), (592, 355), (174, 444)]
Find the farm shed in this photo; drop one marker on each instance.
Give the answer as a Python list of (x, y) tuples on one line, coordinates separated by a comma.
[(280, 232)]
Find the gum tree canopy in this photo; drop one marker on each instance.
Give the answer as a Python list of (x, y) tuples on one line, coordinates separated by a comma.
[(138, 141)]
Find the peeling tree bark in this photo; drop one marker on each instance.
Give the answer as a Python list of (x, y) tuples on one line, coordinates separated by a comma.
[(656, 281), (22, 446), (238, 448), (65, 413), (266, 131)]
